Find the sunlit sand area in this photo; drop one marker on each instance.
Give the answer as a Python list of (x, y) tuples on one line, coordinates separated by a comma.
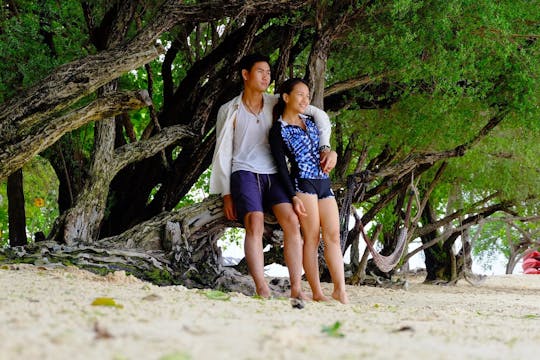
[(67, 313)]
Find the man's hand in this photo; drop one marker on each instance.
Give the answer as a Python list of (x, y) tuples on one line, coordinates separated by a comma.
[(228, 207), (298, 206), (328, 161)]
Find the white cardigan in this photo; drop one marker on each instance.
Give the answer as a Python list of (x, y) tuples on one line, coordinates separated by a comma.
[(220, 178)]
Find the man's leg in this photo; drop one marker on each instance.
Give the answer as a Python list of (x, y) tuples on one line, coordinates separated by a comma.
[(246, 192), (253, 248), (292, 246)]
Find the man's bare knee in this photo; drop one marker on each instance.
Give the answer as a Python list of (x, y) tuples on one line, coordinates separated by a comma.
[(254, 224)]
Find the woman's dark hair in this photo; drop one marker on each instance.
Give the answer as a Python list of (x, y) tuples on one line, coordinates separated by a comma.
[(248, 61), (285, 88)]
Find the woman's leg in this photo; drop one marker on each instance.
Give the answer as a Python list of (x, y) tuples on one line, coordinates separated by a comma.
[(329, 217), (311, 231)]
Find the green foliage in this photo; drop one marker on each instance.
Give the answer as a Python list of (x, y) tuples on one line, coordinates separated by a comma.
[(498, 237), (40, 186), (198, 191), (445, 69), (232, 237), (25, 56)]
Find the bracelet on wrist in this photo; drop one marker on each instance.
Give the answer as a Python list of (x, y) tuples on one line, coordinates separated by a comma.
[(324, 148)]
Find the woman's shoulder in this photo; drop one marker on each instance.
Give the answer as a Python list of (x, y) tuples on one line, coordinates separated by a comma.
[(276, 126)]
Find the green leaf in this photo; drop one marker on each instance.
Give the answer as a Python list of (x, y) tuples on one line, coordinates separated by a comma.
[(333, 330)]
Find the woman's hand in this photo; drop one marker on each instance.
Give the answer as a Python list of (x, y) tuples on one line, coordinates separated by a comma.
[(298, 206)]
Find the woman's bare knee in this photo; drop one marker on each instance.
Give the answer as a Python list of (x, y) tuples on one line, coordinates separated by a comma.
[(332, 239)]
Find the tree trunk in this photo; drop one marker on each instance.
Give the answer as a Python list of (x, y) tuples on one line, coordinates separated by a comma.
[(178, 247), (16, 215), (437, 260), (316, 69)]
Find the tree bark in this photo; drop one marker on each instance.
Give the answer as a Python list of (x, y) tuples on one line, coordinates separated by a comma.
[(16, 214), (45, 134), (81, 220)]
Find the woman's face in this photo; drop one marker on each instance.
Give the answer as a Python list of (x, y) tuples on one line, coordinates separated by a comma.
[(298, 99)]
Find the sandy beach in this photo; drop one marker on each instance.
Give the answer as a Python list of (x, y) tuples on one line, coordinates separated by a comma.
[(47, 313)]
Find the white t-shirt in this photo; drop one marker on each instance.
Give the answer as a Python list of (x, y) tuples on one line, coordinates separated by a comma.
[(251, 149)]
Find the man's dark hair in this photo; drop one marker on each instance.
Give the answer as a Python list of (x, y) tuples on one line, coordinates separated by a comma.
[(248, 61)]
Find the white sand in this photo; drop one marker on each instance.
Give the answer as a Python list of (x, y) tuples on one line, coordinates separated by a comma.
[(47, 314)]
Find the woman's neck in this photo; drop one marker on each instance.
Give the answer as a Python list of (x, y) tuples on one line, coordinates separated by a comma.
[(291, 117)]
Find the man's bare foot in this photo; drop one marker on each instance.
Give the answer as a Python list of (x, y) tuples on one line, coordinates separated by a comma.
[(320, 297), (341, 296), (264, 292)]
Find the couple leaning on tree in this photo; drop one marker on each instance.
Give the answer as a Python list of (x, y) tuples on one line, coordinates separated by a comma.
[(256, 133)]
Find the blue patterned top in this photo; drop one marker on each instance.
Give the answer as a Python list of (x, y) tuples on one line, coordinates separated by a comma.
[(301, 147)]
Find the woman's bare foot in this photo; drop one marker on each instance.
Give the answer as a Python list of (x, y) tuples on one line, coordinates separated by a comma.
[(320, 297), (341, 296)]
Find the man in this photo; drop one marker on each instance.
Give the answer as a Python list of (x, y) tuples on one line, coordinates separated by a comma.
[(244, 173)]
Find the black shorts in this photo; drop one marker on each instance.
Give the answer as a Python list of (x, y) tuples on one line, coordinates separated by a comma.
[(320, 187)]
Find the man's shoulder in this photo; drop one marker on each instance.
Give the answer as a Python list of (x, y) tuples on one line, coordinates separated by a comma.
[(270, 98), (234, 101)]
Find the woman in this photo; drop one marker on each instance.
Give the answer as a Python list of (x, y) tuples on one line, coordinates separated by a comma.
[(295, 136)]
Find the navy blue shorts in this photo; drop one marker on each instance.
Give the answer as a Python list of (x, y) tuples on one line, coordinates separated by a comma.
[(320, 187), (256, 192)]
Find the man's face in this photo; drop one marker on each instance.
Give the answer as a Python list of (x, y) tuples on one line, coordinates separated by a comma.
[(258, 78)]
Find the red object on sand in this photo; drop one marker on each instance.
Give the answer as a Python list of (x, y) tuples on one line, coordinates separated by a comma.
[(531, 263)]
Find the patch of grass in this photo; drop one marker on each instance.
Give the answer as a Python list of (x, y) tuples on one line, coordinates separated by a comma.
[(159, 277), (177, 355), (217, 295)]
